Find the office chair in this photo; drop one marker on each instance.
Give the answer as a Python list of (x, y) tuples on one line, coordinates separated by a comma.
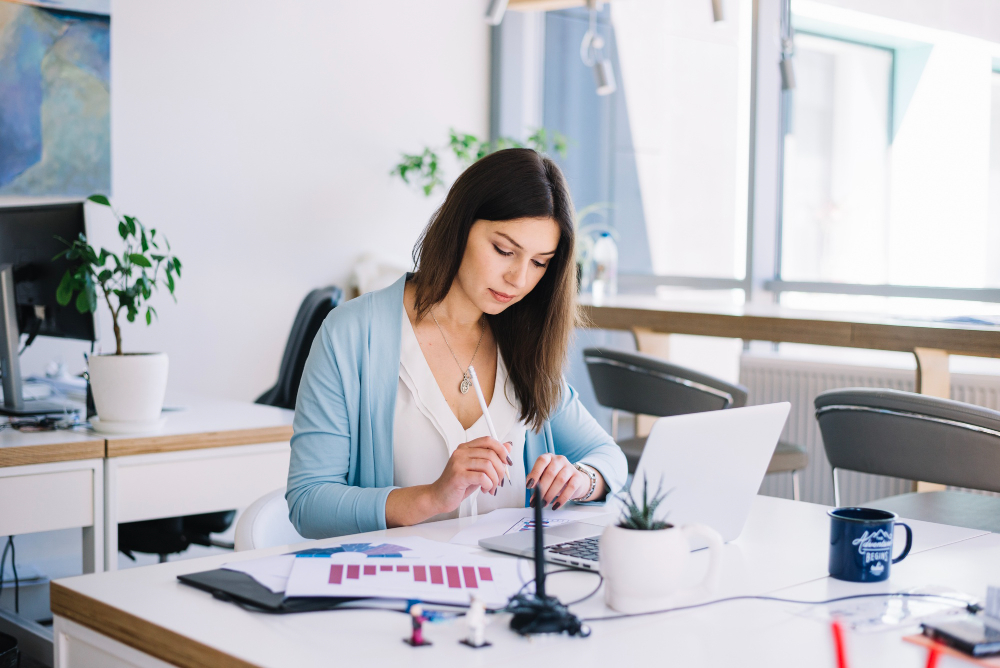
[(171, 535), (315, 307), (265, 524), (916, 437), (638, 383)]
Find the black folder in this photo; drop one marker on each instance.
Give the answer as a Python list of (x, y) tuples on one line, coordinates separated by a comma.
[(244, 591)]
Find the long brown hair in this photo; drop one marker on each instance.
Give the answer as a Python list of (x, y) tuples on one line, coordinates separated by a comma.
[(533, 335)]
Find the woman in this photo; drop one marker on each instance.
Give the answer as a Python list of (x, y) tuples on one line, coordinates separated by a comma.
[(387, 432)]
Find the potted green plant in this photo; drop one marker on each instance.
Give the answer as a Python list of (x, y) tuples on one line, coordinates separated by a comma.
[(128, 387), (643, 557)]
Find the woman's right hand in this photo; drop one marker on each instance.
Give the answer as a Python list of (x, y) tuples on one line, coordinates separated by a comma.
[(480, 463)]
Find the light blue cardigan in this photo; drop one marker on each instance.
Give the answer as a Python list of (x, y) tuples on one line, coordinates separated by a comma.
[(341, 467)]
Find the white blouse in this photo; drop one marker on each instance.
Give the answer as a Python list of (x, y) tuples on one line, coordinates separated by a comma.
[(426, 431)]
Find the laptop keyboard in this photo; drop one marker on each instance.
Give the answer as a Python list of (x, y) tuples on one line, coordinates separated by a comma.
[(583, 548)]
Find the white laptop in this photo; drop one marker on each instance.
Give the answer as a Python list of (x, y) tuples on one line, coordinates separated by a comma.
[(712, 463)]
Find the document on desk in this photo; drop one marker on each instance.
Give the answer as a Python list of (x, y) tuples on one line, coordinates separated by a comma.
[(446, 579), (272, 572), (503, 521)]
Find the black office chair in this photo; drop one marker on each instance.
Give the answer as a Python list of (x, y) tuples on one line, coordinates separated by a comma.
[(315, 307), (916, 437), (171, 535), (638, 383)]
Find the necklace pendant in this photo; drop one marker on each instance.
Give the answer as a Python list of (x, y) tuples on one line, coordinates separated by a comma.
[(466, 383)]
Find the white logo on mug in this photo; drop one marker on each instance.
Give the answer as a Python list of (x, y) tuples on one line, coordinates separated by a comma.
[(875, 546)]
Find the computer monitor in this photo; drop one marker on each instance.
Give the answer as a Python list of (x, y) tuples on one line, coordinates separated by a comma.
[(29, 278)]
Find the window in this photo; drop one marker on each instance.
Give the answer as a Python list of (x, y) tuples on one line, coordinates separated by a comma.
[(889, 155), (835, 221), (874, 184), (665, 158)]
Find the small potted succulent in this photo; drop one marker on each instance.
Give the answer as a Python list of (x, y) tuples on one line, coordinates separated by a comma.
[(643, 558), (128, 387)]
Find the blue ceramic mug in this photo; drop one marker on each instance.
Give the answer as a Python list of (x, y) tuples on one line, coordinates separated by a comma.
[(861, 543)]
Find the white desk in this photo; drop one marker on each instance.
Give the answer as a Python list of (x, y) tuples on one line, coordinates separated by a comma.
[(144, 617), (53, 480), (48, 481), (212, 455)]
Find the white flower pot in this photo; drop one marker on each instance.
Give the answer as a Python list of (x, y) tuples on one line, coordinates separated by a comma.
[(643, 569), (128, 391)]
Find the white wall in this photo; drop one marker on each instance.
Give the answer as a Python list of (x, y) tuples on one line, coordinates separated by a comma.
[(259, 136)]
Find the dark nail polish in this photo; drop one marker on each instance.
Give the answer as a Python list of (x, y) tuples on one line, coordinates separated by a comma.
[(544, 503), (501, 482), (534, 499), (510, 462), (531, 483), (555, 506), (494, 491)]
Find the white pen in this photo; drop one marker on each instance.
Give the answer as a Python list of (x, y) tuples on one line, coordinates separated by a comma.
[(486, 414)]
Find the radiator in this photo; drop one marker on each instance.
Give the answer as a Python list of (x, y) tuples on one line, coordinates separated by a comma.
[(771, 378)]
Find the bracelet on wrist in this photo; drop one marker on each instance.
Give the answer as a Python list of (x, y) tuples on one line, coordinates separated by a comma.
[(591, 473)]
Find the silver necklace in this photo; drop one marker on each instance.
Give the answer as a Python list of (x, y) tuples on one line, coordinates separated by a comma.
[(466, 376)]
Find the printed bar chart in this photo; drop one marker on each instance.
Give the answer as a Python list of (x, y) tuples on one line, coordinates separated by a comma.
[(458, 577), (433, 580)]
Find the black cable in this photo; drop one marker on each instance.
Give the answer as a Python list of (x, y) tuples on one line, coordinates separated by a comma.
[(506, 607), (972, 607), (17, 582), (600, 582), (3, 561)]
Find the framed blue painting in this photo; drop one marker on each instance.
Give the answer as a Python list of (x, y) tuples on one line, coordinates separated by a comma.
[(55, 102)]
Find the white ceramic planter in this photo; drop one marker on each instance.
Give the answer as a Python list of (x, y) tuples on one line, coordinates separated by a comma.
[(128, 391), (643, 569)]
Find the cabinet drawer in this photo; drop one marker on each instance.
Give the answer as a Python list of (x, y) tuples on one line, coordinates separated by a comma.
[(228, 481), (46, 502)]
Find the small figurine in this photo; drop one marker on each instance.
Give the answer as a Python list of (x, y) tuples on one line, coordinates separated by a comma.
[(417, 618), (476, 619)]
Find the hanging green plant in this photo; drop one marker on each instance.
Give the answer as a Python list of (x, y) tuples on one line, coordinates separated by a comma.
[(424, 169)]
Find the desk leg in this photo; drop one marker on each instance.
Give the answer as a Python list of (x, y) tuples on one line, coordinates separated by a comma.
[(93, 536), (110, 514), (934, 380)]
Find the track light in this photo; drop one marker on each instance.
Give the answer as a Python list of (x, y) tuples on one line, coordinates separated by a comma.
[(590, 54), (718, 13), (495, 12), (604, 77), (786, 66)]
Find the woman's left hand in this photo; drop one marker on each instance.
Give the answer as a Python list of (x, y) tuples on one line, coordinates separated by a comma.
[(557, 481)]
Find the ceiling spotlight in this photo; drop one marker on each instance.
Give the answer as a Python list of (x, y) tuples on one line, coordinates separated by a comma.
[(718, 13), (786, 65), (604, 77), (495, 12), (590, 54)]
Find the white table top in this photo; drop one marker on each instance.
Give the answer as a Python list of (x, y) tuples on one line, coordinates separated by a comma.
[(18, 448), (194, 422), (783, 548)]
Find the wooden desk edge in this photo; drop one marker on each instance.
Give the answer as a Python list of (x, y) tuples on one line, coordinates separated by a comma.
[(137, 633), (143, 445), (51, 452), (902, 337)]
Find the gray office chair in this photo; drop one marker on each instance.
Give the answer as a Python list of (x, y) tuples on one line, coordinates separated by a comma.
[(916, 437), (638, 383)]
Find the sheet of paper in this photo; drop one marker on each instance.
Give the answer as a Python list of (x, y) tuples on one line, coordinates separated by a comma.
[(870, 615), (273, 572), (509, 520), (432, 580)]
